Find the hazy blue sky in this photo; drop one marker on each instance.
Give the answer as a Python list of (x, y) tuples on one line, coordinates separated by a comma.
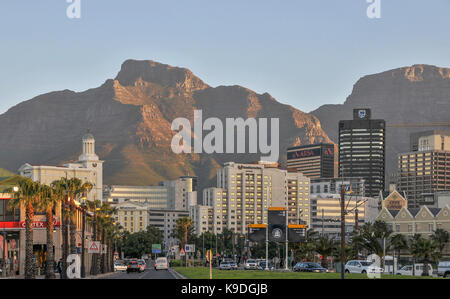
[(303, 52)]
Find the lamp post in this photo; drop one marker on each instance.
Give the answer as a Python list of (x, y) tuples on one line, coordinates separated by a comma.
[(4, 252), (83, 232)]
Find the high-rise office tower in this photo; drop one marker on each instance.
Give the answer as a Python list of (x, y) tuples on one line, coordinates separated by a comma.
[(425, 170), (362, 148), (314, 160)]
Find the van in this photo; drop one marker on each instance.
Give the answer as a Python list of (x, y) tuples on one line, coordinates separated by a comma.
[(161, 263), (408, 270)]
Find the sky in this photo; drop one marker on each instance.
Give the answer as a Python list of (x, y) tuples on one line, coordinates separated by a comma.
[(305, 53)]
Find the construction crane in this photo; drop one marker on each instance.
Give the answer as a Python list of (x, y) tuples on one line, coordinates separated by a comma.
[(416, 125)]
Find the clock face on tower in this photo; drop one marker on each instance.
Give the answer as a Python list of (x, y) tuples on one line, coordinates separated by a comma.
[(94, 164)]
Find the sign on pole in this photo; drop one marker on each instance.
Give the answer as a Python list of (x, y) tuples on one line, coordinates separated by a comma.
[(105, 249), (277, 224), (156, 248), (182, 252), (189, 248), (94, 247), (256, 232), (296, 232)]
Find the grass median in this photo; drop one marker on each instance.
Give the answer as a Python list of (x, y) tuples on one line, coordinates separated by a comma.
[(203, 273)]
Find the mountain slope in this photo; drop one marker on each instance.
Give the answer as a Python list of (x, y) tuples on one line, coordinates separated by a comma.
[(408, 95), (130, 117)]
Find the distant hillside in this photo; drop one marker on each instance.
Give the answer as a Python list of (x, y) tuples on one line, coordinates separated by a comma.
[(130, 117), (408, 95)]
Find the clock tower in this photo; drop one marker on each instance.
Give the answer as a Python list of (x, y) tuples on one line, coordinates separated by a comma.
[(90, 161)]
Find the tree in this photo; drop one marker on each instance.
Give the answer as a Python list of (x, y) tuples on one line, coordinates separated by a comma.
[(425, 250), (184, 231), (139, 243), (324, 246), (374, 237), (441, 237), (27, 195), (48, 202), (398, 243)]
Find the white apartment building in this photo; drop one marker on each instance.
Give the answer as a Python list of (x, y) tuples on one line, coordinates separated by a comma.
[(244, 193), (165, 220), (153, 197)]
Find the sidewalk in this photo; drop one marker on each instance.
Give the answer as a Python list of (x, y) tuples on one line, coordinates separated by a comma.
[(99, 276)]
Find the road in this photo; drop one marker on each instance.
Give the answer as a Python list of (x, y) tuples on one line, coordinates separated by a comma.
[(149, 273)]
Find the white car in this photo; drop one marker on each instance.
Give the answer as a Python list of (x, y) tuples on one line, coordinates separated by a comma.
[(251, 265), (356, 266), (443, 269), (120, 266), (161, 263), (408, 270)]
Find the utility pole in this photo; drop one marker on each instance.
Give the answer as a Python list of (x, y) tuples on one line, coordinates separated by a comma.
[(83, 229), (323, 227), (267, 247), (4, 252), (342, 231), (356, 232)]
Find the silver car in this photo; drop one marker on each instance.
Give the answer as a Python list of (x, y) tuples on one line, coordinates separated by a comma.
[(251, 265), (225, 266)]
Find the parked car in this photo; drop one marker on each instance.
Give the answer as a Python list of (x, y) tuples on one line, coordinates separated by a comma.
[(225, 266), (356, 266), (234, 266), (119, 266), (262, 265), (251, 265), (161, 263), (443, 269), (133, 266), (408, 270), (309, 267)]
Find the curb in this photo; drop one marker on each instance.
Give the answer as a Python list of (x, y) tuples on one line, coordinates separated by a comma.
[(176, 275)]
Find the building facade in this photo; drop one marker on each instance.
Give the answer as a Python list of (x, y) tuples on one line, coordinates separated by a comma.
[(334, 185), (88, 168), (132, 216), (425, 170), (180, 192), (362, 143), (244, 193), (152, 197), (315, 160), (165, 221)]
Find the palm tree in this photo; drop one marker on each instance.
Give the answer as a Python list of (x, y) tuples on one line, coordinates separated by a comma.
[(94, 206), (324, 246), (373, 238), (398, 243), (48, 202), (74, 190), (27, 195), (425, 250), (60, 191), (441, 237)]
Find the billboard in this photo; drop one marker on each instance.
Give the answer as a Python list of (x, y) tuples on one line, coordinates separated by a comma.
[(277, 224), (257, 232), (156, 248), (296, 232), (316, 152)]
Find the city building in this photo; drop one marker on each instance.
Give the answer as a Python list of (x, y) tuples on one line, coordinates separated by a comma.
[(152, 197), (12, 223), (423, 221), (180, 192), (326, 209), (132, 216), (88, 168), (315, 160), (166, 220), (362, 144), (334, 185), (244, 193), (425, 170), (202, 218)]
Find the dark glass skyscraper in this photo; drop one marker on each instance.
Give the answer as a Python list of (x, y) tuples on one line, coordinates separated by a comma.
[(362, 148)]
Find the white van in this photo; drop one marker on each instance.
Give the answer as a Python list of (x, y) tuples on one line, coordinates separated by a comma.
[(408, 270), (161, 263)]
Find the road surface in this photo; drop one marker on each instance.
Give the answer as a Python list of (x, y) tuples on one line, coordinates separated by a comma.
[(149, 273)]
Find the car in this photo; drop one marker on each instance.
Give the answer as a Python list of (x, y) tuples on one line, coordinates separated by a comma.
[(262, 265), (357, 266), (310, 267), (443, 269), (234, 265), (225, 265), (408, 270), (120, 266), (133, 266), (142, 265), (161, 263), (250, 264)]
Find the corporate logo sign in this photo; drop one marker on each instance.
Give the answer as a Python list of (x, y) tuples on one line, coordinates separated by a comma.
[(328, 152)]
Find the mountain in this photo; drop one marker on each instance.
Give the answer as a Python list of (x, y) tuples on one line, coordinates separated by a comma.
[(407, 95), (130, 117)]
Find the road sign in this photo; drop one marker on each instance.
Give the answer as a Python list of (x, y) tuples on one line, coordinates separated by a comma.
[(189, 248), (94, 247), (105, 249), (156, 248), (182, 252)]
